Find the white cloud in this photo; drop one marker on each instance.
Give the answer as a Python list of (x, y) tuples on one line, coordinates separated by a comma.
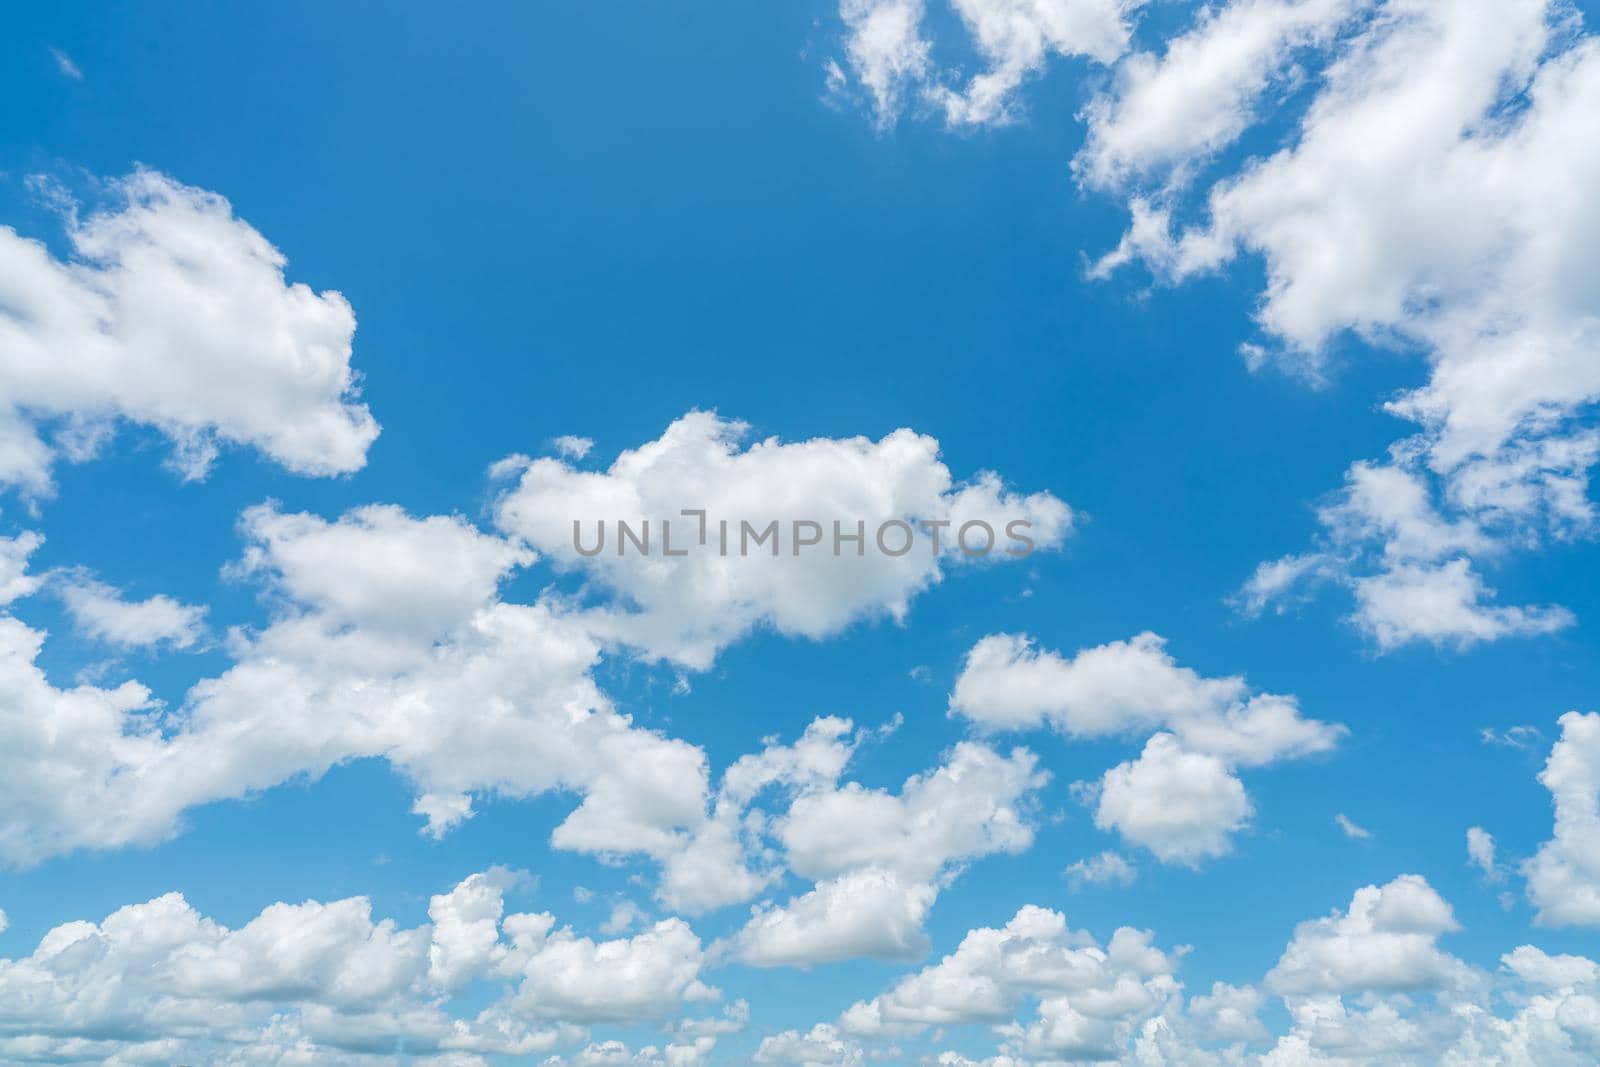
[(686, 609), (1017, 37), (1090, 998), (1180, 805), (573, 446), (389, 642), (889, 55), (1127, 687), (172, 314), (1564, 875), (328, 979), (885, 50), (15, 581), (1455, 232), (1444, 604), (161, 971), (1107, 868), (1180, 798), (1423, 585), (1366, 985), (867, 913), (1480, 853), (101, 612), (1201, 93), (879, 858), (65, 65), (1351, 829), (821, 1046), (625, 915), (1386, 941)]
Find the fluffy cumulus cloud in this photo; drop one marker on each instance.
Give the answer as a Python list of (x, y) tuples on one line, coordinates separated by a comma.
[(1090, 998), (323, 982), (1564, 875), (1182, 806), (879, 858), (387, 637), (805, 537), (389, 641), (1180, 798), (174, 314), (1386, 940)]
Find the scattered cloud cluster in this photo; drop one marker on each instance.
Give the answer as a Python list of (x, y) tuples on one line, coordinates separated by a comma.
[(1180, 798), (1457, 232), (324, 982), (1367, 984)]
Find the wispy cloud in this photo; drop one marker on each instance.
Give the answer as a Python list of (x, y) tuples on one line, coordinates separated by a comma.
[(1351, 829), (65, 64)]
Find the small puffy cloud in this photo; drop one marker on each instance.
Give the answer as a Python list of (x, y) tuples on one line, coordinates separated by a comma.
[(15, 581), (723, 580), (575, 979), (975, 804), (101, 612), (572, 446), (1182, 806), (1444, 604), (1107, 868), (1480, 854), (172, 313), (1123, 687), (1387, 940)]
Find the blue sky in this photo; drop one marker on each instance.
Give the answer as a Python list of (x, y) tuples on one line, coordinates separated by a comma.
[(640, 225)]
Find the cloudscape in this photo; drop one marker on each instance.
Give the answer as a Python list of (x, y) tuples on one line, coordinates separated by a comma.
[(976, 533)]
